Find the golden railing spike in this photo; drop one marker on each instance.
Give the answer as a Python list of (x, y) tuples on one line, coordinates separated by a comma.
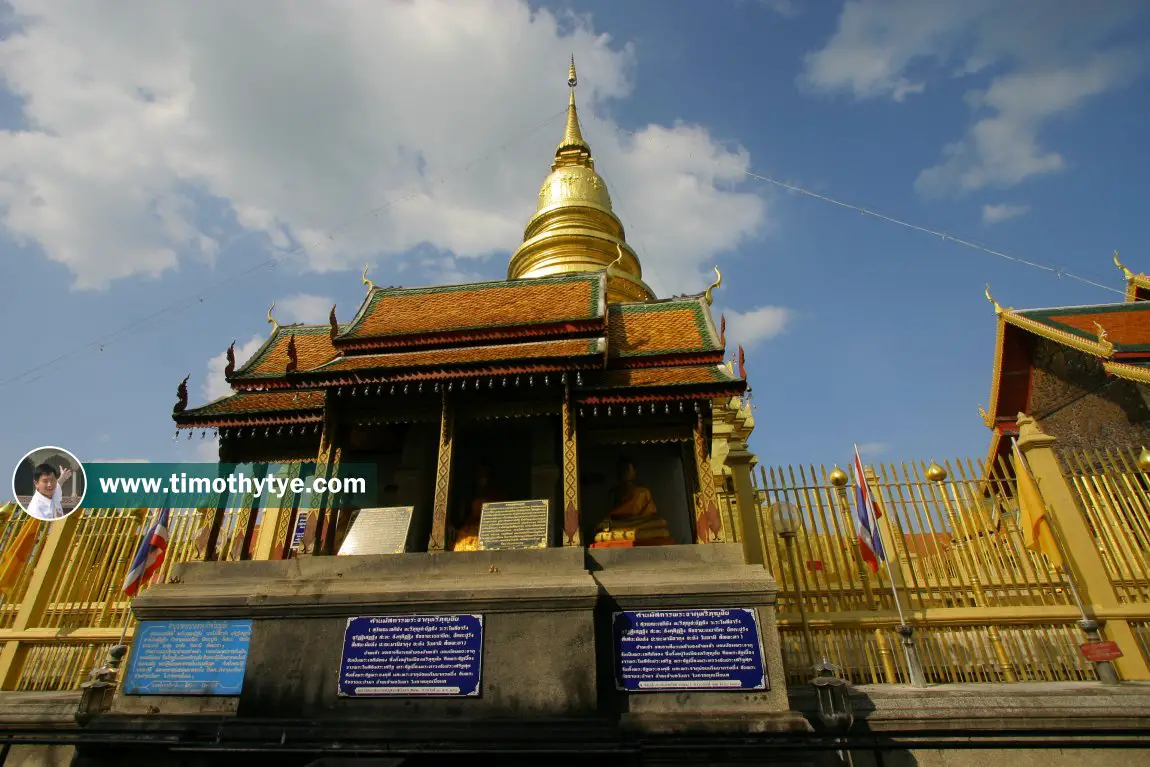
[(370, 285), (718, 282), (272, 320)]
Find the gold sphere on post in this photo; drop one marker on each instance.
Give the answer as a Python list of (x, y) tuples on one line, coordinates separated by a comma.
[(1144, 460), (935, 473), (838, 477)]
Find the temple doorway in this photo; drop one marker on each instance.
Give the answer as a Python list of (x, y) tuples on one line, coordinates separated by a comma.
[(505, 460), (659, 467)]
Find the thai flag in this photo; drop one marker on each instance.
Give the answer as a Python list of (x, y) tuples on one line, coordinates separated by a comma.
[(150, 556), (866, 519)]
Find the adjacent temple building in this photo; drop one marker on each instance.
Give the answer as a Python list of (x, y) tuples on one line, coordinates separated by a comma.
[(569, 381), (1080, 371)]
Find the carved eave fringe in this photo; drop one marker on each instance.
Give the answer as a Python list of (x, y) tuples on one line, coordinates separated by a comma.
[(1135, 373)]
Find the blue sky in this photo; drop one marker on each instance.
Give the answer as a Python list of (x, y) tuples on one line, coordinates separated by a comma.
[(153, 159)]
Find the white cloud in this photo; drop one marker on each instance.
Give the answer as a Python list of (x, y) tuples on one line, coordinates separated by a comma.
[(993, 214), (119, 460), (214, 385), (872, 450), (1047, 59), (303, 307), (785, 8), (752, 327), (299, 117)]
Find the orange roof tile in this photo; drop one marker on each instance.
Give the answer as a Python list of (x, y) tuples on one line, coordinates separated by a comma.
[(392, 312), (312, 344), (682, 375), (249, 402), (1125, 328), (576, 347), (678, 326)]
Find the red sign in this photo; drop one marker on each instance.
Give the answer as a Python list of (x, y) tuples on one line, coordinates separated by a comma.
[(814, 564), (1096, 652)]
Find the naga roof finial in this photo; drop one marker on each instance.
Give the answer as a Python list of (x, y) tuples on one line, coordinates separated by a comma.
[(615, 264), (272, 320), (1122, 266), (231, 357), (710, 299), (370, 285), (1101, 333), (182, 395), (990, 298)]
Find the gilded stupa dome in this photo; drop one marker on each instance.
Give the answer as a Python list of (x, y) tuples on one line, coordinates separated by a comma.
[(574, 228)]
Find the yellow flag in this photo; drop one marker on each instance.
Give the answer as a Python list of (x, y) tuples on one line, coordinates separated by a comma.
[(16, 554), (1036, 530)]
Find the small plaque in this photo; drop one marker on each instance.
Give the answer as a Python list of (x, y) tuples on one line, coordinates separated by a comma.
[(188, 658), (378, 531), (515, 525), (300, 529), (1097, 652), (688, 650), (412, 656)]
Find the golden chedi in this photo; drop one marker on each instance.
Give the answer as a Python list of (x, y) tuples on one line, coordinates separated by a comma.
[(574, 228), (633, 516)]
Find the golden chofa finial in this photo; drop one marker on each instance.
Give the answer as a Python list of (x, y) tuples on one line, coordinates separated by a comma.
[(370, 285), (1122, 266), (615, 264), (710, 299), (1101, 333), (275, 325), (990, 298)]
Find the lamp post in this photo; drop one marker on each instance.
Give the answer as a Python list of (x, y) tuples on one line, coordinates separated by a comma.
[(97, 693), (785, 521)]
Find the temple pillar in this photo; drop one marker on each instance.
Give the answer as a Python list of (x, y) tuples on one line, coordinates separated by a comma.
[(708, 522), (572, 534), (438, 539), (739, 459)]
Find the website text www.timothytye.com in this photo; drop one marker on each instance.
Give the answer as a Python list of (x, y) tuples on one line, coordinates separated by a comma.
[(239, 483)]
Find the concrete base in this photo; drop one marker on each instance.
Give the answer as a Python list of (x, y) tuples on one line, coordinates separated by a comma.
[(547, 657)]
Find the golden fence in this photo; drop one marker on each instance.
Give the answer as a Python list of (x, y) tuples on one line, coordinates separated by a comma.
[(984, 608)]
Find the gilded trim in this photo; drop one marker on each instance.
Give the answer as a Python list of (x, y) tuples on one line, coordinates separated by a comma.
[(572, 535), (708, 521), (1102, 349), (1136, 373), (442, 477), (996, 375)]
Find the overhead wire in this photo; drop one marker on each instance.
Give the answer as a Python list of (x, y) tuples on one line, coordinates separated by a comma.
[(946, 237), (198, 296)]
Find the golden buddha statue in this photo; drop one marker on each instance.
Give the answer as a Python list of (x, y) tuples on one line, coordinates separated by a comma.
[(467, 536), (633, 517)]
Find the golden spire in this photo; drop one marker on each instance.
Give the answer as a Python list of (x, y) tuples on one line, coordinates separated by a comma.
[(572, 135), (574, 228)]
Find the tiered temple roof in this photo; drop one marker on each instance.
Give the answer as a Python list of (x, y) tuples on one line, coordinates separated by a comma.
[(574, 307), (1117, 335)]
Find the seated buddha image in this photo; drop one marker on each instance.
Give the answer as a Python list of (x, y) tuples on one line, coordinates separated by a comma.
[(632, 516), (467, 535)]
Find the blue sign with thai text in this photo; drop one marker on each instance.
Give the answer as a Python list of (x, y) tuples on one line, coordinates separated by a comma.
[(188, 658), (659, 650), (300, 529), (412, 655)]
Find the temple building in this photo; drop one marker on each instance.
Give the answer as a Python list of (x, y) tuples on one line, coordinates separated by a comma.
[(1082, 372), (568, 381)]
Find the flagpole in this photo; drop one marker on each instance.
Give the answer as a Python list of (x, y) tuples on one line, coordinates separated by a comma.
[(1107, 674), (905, 630)]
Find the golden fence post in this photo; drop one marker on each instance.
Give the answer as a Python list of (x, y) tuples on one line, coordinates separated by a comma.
[(52, 557), (1084, 559), (747, 503), (273, 514), (884, 654)]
